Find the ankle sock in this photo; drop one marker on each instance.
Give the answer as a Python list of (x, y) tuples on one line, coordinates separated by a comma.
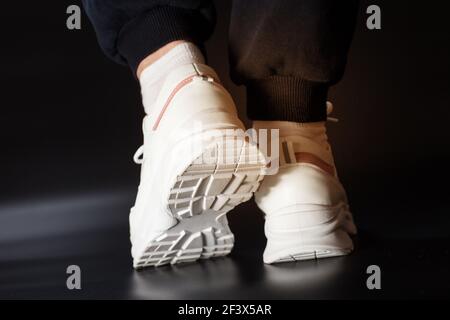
[(152, 77)]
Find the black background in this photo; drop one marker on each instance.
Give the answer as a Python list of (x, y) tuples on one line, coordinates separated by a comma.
[(70, 121)]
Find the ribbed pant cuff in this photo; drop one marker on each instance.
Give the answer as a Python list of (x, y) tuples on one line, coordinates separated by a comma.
[(283, 98), (155, 28)]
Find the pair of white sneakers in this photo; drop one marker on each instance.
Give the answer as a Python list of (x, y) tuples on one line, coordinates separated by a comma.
[(197, 165)]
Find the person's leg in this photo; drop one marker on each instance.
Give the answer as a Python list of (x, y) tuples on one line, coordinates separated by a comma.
[(138, 33), (287, 54), (193, 165), (129, 31)]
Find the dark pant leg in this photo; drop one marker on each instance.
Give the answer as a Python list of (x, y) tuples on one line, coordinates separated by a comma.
[(129, 30), (287, 53)]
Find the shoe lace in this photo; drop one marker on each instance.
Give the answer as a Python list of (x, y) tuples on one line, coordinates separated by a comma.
[(138, 156), (329, 111)]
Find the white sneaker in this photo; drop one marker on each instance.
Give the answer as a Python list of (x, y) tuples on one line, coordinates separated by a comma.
[(306, 208), (195, 168)]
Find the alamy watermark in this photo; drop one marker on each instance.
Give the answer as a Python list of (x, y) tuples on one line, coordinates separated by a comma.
[(373, 22), (73, 21), (373, 282), (73, 281), (225, 148)]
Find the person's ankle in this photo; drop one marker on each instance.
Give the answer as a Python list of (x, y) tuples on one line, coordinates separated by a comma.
[(153, 57), (154, 69)]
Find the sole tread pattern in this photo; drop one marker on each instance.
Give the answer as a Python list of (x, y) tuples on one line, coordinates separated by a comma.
[(199, 200), (232, 179), (184, 246)]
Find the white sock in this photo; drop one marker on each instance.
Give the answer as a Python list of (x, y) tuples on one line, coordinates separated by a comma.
[(152, 77)]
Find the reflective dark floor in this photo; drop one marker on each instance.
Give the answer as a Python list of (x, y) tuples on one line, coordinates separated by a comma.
[(40, 238), (70, 121)]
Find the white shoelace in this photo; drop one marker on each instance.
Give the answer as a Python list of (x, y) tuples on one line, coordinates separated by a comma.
[(138, 155), (329, 111)]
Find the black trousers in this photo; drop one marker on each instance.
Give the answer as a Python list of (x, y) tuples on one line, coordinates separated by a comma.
[(286, 52)]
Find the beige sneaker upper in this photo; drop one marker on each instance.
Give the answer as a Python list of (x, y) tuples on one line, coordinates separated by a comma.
[(305, 205), (191, 103)]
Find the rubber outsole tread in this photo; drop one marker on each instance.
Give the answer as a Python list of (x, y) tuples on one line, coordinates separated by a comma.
[(231, 176)]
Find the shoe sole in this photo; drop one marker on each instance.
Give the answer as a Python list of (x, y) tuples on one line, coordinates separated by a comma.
[(312, 252), (200, 199), (313, 255)]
